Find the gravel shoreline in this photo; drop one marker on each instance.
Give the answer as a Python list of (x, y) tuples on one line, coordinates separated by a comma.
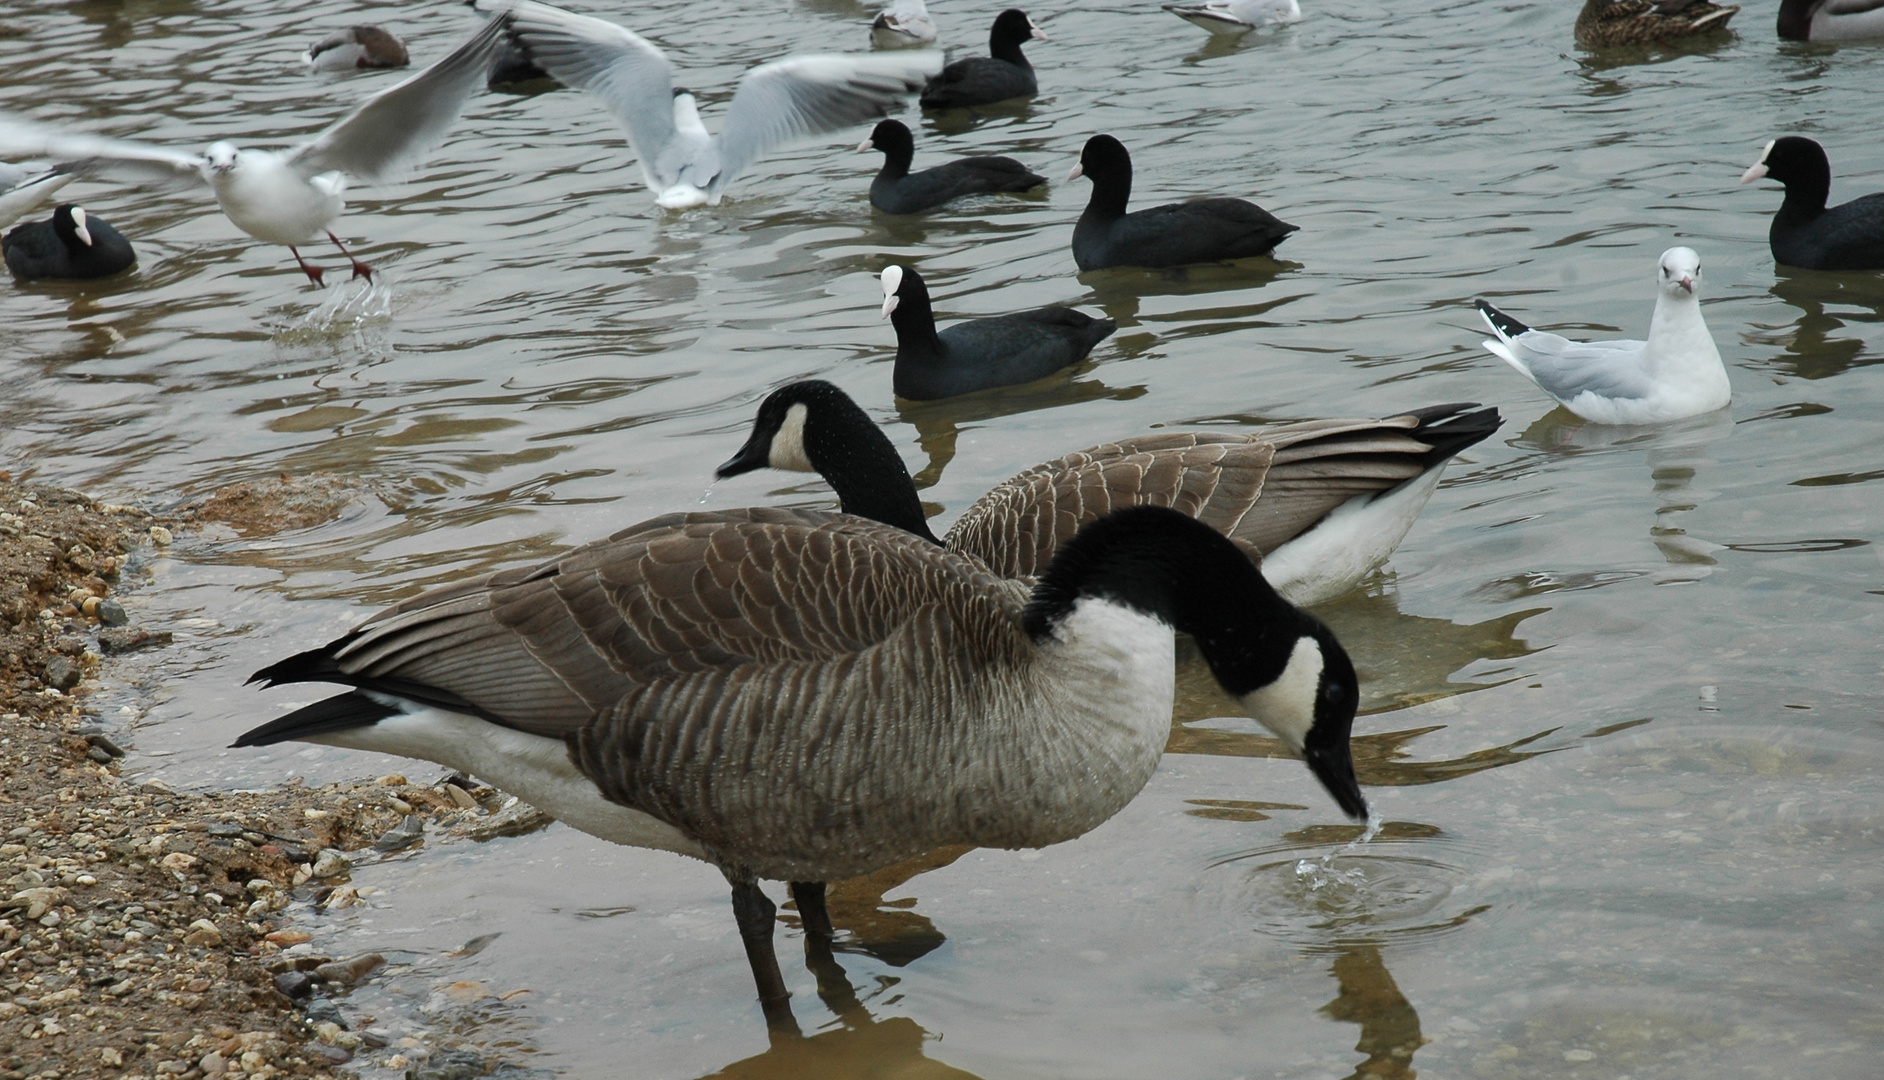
[(144, 932)]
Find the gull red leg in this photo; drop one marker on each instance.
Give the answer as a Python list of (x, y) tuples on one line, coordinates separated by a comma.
[(313, 272), (360, 269)]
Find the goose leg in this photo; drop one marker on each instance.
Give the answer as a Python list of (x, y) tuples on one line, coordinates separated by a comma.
[(360, 269), (754, 912), (313, 272), (833, 985), (809, 896)]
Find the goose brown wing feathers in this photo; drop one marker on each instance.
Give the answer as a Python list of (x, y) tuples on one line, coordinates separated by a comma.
[(546, 648)]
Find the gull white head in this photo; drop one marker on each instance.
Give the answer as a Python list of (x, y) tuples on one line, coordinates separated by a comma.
[(221, 156), (1680, 272), (1757, 170), (892, 281), (687, 111), (78, 226)]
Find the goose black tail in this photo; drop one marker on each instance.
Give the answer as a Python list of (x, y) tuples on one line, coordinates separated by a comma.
[(1506, 325), (1449, 429), (337, 713)]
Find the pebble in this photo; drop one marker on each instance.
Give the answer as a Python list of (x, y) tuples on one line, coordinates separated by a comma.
[(124, 639), (203, 933), (349, 972), (460, 796), (62, 673), (330, 864), (409, 831), (285, 938), (160, 536), (294, 984)]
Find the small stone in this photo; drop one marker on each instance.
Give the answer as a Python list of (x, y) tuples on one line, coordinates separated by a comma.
[(330, 864), (160, 536), (294, 984), (98, 755), (124, 639), (399, 804), (112, 613), (203, 932), (349, 972), (111, 1056), (179, 861), (285, 938), (392, 780), (409, 831), (1579, 1055), (89, 606), (86, 879), (398, 1061), (36, 901), (213, 1064), (324, 1013), (62, 673), (458, 795), (100, 742)]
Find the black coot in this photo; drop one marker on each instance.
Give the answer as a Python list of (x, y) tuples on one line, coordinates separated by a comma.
[(896, 190), (983, 80), (1207, 230), (979, 354), (70, 244), (1807, 235)]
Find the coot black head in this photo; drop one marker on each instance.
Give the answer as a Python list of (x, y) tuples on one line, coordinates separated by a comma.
[(893, 140), (1795, 159), (1011, 28)]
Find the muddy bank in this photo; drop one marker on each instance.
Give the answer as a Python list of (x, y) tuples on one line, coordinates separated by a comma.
[(145, 932)]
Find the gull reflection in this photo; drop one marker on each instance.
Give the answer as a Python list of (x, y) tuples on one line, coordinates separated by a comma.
[(1676, 453)]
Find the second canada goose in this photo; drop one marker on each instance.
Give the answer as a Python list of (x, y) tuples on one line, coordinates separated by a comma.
[(807, 697), (1322, 503)]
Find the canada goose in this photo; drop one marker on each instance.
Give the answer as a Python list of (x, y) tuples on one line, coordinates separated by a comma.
[(289, 197), (896, 190), (683, 165), (1675, 373), (999, 76), (1320, 503), (808, 697), (1175, 234), (1831, 20), (1805, 234), (1604, 23), (979, 354), (70, 244)]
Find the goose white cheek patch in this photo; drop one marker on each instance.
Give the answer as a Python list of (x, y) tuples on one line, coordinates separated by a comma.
[(788, 444)]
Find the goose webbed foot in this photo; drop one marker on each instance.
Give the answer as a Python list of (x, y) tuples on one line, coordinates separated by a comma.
[(754, 912)]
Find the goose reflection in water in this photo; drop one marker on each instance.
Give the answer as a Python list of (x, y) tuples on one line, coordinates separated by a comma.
[(939, 423)]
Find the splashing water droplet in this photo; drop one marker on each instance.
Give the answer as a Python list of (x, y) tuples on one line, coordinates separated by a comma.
[(1317, 873)]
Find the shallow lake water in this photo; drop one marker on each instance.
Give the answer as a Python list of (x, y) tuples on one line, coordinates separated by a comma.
[(1622, 713)]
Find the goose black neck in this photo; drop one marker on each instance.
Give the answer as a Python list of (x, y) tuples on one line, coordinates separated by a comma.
[(1004, 40), (859, 462), (1795, 19), (914, 320), (1184, 573)]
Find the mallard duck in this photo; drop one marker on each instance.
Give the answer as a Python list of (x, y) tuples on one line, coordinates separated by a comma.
[(1606, 23)]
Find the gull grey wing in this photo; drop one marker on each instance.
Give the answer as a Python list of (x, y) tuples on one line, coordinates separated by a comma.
[(810, 95), (20, 194), (1565, 368), (630, 75), (399, 125), (97, 153)]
